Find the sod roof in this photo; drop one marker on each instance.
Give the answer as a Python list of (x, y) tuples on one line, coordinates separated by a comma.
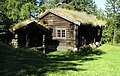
[(74, 16)]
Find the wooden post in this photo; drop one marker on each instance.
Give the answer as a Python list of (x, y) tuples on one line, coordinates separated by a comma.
[(76, 38), (43, 43), (14, 42)]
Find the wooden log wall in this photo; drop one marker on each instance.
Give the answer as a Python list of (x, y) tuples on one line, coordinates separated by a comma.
[(53, 21)]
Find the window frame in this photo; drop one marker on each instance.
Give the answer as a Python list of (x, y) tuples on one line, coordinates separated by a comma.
[(61, 33)]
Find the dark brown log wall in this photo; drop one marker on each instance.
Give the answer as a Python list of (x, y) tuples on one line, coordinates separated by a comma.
[(53, 21), (88, 34)]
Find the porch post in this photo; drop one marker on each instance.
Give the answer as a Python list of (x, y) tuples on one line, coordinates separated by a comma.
[(76, 48), (43, 43), (14, 41)]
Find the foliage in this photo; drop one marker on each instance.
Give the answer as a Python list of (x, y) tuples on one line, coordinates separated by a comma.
[(42, 5), (101, 14), (26, 11), (18, 10), (88, 6), (67, 6), (4, 21), (112, 28)]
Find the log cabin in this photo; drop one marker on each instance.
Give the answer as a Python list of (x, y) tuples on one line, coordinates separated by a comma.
[(28, 33), (68, 29), (73, 29)]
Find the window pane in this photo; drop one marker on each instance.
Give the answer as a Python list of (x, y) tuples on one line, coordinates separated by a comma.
[(58, 33), (63, 33)]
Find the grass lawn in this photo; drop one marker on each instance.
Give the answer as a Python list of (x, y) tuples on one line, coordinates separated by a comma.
[(103, 64), (103, 61)]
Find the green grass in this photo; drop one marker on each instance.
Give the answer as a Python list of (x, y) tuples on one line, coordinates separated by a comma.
[(103, 61), (104, 64)]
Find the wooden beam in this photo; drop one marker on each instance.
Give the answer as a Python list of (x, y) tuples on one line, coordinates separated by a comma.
[(43, 43), (76, 48)]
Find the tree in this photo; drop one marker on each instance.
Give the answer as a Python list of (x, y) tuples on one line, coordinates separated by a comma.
[(11, 9), (26, 11), (18, 10), (112, 10), (101, 14), (88, 6), (4, 22)]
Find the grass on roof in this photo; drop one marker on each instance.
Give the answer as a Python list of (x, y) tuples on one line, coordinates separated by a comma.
[(70, 15), (73, 16), (24, 23), (20, 24)]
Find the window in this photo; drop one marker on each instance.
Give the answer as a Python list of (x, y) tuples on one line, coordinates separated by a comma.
[(61, 33)]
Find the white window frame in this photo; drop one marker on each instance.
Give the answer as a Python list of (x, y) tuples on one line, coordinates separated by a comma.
[(60, 33)]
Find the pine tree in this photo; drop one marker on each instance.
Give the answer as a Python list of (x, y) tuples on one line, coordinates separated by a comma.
[(112, 10), (101, 14), (88, 6)]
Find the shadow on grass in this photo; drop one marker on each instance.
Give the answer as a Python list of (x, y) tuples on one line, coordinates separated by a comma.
[(84, 54), (63, 60), (23, 62)]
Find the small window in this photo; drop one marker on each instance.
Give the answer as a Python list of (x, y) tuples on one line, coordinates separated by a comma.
[(61, 33)]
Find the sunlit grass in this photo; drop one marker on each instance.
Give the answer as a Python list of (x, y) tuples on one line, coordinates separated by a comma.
[(105, 65)]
